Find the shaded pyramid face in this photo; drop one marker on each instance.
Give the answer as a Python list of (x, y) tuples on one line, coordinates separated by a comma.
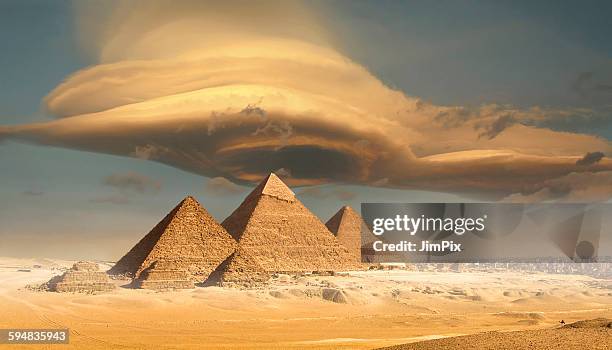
[(347, 225), (188, 239), (279, 234)]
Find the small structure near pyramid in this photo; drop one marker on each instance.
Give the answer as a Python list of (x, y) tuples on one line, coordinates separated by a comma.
[(187, 239), (242, 271), (165, 274), (82, 277), (348, 227), (279, 234)]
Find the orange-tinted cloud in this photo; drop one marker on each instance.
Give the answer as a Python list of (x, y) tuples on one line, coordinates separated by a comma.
[(235, 95)]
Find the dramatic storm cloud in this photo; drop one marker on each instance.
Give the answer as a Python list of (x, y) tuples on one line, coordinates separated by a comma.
[(228, 93)]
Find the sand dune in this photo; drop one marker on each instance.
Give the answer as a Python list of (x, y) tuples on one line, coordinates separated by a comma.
[(590, 334), (360, 310)]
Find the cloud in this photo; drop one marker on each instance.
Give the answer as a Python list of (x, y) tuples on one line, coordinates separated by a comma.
[(583, 79), (33, 193), (253, 109), (283, 173), (148, 152), (574, 187), (500, 124), (587, 85), (283, 129), (318, 193), (223, 186), (242, 94), (111, 199), (344, 195), (132, 182), (590, 158), (380, 182), (604, 87)]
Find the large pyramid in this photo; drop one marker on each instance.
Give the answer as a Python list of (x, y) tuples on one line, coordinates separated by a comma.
[(348, 226), (188, 239), (278, 234)]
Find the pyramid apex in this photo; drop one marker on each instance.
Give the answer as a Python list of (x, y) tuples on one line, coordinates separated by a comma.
[(189, 198), (346, 209), (272, 177), (273, 186)]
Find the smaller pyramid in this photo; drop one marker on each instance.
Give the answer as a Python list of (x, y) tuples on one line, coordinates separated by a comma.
[(164, 275), (188, 238), (240, 270), (348, 227), (82, 277)]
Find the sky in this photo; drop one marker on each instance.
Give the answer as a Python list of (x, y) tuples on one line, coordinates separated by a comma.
[(111, 113)]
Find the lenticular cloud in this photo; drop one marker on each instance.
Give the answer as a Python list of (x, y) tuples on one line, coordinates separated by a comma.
[(218, 91)]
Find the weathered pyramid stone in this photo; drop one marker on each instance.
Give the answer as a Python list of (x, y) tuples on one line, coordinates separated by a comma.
[(164, 274), (279, 234), (241, 270), (83, 277), (188, 238), (347, 226)]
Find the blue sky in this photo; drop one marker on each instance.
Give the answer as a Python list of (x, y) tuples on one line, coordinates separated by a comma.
[(522, 53), (552, 54)]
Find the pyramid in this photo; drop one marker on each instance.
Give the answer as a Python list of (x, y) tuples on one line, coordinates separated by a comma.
[(240, 270), (82, 277), (188, 238), (348, 226), (164, 274), (276, 232)]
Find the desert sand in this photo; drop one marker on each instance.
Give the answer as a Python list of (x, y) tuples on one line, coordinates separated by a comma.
[(358, 310), (592, 334)]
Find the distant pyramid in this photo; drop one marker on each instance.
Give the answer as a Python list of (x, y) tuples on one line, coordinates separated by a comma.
[(187, 238), (279, 234), (348, 226)]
